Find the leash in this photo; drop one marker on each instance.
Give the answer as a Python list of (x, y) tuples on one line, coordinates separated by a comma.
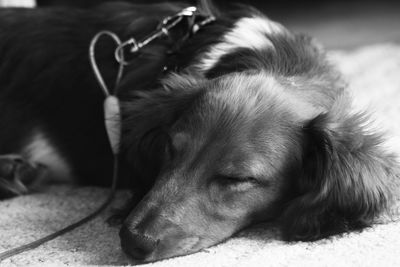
[(112, 111)]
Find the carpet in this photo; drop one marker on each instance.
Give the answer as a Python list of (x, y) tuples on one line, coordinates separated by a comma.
[(373, 73)]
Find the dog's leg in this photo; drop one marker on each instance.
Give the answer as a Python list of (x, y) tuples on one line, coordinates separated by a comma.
[(18, 174)]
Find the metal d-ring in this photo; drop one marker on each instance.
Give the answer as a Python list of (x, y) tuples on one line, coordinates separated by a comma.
[(119, 53)]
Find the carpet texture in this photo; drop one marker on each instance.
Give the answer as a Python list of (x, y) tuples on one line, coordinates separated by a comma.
[(374, 77)]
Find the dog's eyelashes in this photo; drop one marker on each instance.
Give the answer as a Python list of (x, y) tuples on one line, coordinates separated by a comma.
[(235, 180), (236, 183)]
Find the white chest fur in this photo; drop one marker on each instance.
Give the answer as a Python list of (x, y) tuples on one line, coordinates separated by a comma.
[(40, 150)]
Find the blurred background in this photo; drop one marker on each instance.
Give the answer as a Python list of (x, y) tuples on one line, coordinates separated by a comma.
[(343, 24)]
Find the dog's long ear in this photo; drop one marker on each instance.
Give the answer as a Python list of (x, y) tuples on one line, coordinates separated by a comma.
[(147, 117), (346, 177)]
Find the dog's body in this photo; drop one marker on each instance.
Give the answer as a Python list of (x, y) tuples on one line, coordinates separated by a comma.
[(64, 116), (251, 124)]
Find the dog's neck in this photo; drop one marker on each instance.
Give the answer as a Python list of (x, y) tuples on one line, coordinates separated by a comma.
[(219, 48), (206, 51)]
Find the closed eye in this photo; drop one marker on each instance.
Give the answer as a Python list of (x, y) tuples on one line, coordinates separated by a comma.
[(225, 179), (235, 183)]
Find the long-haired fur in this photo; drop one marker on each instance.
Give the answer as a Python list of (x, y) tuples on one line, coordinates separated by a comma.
[(347, 178)]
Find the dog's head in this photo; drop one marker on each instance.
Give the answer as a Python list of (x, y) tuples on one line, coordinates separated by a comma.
[(263, 132), (226, 159)]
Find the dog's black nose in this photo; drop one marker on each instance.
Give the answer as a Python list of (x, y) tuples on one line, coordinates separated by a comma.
[(136, 245)]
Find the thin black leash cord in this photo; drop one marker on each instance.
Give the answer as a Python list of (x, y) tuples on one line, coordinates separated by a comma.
[(111, 108)]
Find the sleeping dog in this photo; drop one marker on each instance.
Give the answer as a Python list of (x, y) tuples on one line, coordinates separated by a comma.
[(244, 122)]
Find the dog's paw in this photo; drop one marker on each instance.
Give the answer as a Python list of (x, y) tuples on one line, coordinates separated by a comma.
[(16, 175)]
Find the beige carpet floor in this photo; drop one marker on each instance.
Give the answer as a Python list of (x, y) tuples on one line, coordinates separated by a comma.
[(374, 76)]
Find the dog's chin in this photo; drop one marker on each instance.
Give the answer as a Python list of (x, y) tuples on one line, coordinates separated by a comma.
[(186, 247), (157, 258)]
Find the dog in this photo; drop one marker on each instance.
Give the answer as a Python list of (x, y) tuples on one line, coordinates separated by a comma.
[(246, 122)]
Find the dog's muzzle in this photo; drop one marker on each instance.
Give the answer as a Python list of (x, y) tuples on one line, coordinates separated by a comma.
[(137, 245)]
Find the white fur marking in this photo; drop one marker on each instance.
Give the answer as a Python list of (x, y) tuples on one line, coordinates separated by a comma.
[(40, 150), (247, 33), (260, 84)]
